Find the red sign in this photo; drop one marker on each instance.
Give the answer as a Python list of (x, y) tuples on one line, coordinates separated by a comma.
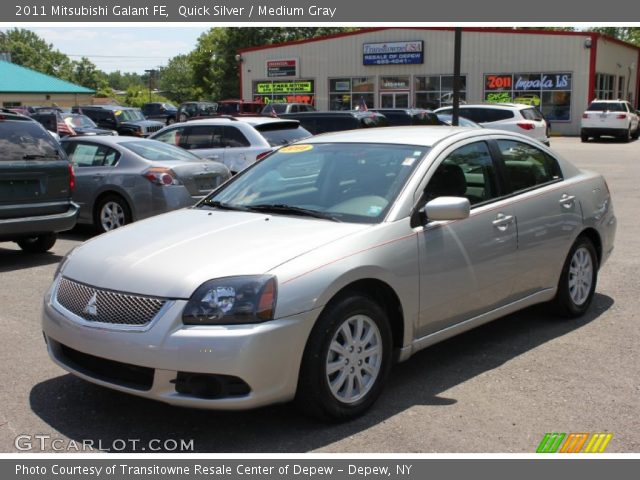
[(498, 82)]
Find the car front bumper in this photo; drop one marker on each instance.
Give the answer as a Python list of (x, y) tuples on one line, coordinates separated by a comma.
[(265, 356)]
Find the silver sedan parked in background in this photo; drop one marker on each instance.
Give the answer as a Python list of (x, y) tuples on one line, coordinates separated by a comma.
[(309, 273), (122, 179)]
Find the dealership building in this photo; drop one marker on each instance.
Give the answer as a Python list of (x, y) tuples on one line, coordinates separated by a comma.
[(558, 72)]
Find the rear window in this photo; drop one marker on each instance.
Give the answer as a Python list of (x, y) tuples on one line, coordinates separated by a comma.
[(607, 106), (486, 115), (532, 114), (158, 151), (26, 140), (276, 135)]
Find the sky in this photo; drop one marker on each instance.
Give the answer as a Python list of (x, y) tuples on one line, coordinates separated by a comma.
[(128, 49)]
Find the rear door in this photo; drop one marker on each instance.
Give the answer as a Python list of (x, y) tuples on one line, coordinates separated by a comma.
[(93, 166), (34, 171), (547, 211)]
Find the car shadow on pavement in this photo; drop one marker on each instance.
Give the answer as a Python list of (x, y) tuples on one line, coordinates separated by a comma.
[(12, 260), (83, 411)]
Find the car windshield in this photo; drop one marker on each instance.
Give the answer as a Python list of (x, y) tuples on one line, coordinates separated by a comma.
[(349, 182), (129, 115), (607, 106), (277, 136), (79, 121), (158, 151)]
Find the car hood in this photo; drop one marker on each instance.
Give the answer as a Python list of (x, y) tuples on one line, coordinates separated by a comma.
[(92, 131), (171, 255)]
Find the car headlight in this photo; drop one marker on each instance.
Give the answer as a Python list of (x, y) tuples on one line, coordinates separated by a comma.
[(232, 301), (63, 263)]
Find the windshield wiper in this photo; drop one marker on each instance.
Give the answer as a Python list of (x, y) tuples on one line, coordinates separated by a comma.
[(224, 206), (282, 208)]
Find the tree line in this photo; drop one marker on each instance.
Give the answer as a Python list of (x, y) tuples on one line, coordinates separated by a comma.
[(208, 72)]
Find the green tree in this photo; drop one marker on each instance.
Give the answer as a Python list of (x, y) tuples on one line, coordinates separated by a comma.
[(176, 80), (85, 73), (627, 34), (29, 50)]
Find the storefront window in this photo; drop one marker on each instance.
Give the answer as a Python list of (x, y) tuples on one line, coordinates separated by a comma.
[(284, 91), (621, 88), (549, 92), (436, 91), (349, 92)]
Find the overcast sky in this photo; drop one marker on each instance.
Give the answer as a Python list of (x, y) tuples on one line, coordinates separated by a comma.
[(128, 49)]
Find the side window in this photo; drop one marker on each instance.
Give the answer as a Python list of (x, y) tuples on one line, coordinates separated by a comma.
[(526, 166), (474, 114), (466, 172), (89, 155), (201, 136), (233, 138), (172, 137)]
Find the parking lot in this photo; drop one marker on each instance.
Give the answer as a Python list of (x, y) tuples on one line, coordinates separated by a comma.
[(498, 388)]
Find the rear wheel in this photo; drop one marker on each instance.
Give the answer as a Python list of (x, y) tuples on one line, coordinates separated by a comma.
[(182, 117), (39, 244), (626, 136), (636, 133), (584, 137), (578, 280), (111, 212), (346, 360)]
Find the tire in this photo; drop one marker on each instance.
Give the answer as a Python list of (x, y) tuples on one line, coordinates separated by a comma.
[(110, 213), (359, 370), (580, 270), (39, 244), (584, 137), (183, 118), (171, 120), (626, 137), (636, 133)]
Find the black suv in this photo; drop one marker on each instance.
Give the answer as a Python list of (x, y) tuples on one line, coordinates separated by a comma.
[(408, 116), (322, 122), (162, 112), (124, 120), (189, 110), (36, 183)]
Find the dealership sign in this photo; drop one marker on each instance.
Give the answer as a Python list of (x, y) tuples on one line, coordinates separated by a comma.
[(393, 53), (528, 81), (287, 67), (283, 87)]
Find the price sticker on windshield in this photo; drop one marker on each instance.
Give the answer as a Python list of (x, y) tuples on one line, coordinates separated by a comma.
[(296, 148)]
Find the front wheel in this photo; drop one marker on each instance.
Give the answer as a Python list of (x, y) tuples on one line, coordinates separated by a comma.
[(346, 360), (39, 244), (578, 280)]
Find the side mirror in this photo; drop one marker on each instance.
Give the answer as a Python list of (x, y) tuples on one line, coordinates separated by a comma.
[(447, 208)]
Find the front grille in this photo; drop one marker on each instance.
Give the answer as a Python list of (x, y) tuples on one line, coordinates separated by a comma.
[(154, 128), (104, 306), (118, 373)]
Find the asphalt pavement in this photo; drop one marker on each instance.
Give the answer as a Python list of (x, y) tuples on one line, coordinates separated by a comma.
[(498, 388)]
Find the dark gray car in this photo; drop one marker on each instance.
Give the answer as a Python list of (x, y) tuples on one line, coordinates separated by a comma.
[(123, 179), (36, 181)]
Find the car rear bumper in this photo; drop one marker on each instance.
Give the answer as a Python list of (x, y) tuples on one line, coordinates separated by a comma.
[(594, 131), (15, 228), (264, 358)]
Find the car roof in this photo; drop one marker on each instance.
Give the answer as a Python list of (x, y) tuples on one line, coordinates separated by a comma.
[(334, 113), (415, 135), (251, 120), (500, 106), (106, 107), (608, 101)]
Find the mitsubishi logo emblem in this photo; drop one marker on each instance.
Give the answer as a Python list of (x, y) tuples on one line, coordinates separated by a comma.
[(92, 306)]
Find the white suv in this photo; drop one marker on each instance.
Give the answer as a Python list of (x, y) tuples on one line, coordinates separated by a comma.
[(614, 118), (512, 117), (236, 142)]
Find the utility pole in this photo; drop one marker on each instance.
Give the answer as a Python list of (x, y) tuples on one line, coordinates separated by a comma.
[(457, 50), (151, 73)]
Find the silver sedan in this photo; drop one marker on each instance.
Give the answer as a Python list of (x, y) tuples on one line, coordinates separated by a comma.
[(122, 179), (307, 275)]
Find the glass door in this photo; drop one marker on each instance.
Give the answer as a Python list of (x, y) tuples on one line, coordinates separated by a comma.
[(394, 100)]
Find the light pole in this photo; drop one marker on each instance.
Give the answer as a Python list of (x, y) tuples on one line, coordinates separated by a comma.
[(151, 75)]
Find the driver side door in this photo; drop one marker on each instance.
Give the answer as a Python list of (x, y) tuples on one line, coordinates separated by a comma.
[(466, 266)]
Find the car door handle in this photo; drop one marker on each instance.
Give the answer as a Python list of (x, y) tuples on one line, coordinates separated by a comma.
[(213, 157), (567, 200), (98, 176), (502, 221)]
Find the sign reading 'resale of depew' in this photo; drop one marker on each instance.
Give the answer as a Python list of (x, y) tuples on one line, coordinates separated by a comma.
[(393, 53)]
